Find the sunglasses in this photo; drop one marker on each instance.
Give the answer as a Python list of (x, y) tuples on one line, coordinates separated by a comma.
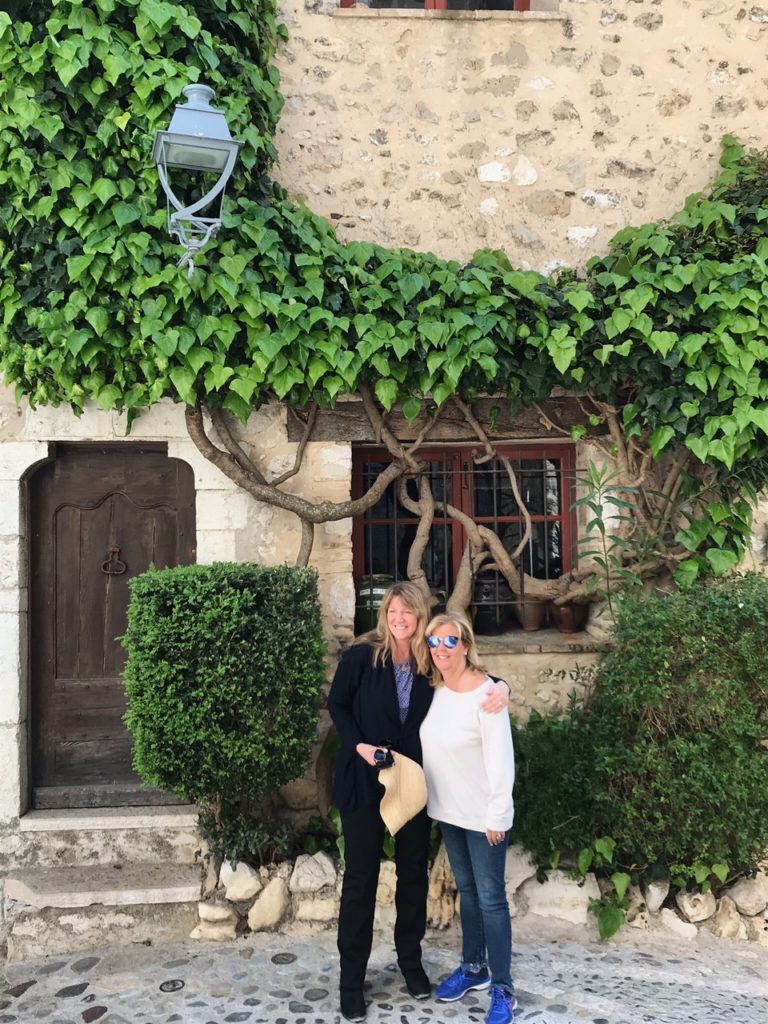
[(449, 642)]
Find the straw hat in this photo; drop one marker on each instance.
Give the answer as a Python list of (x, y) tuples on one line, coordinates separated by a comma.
[(405, 792)]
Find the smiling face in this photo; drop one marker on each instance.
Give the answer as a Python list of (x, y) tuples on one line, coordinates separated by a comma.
[(448, 660), (402, 623)]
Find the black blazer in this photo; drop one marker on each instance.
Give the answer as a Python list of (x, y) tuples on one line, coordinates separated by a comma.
[(363, 705)]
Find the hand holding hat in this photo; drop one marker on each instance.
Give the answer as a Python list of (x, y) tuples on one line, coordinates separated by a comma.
[(405, 792)]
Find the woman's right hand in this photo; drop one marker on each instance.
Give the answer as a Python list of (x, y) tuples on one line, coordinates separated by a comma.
[(366, 751)]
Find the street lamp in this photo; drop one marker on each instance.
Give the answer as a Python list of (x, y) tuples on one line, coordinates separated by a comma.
[(197, 139)]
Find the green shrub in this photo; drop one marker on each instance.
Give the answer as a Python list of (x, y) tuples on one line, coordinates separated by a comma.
[(225, 666), (667, 754)]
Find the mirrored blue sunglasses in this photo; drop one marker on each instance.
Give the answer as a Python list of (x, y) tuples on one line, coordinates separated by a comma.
[(449, 642)]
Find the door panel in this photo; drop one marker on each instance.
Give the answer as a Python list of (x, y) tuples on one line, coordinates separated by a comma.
[(99, 516)]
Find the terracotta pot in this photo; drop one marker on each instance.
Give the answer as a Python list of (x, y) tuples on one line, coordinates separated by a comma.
[(569, 618), (531, 614)]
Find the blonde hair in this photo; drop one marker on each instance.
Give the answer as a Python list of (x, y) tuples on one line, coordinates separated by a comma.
[(380, 638), (466, 636)]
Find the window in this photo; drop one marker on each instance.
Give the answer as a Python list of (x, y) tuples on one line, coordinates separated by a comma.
[(382, 537)]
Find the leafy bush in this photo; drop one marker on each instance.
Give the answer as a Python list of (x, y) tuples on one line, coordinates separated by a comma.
[(667, 755), (225, 665)]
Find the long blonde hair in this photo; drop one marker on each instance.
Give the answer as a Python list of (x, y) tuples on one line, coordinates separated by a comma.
[(380, 638), (466, 636)]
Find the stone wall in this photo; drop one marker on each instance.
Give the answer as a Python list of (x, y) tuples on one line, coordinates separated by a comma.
[(541, 134)]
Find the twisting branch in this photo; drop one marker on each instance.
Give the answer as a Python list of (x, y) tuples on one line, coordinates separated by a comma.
[(309, 425), (424, 508), (234, 448), (312, 511)]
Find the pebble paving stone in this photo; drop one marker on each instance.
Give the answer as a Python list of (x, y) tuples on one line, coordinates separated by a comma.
[(279, 979)]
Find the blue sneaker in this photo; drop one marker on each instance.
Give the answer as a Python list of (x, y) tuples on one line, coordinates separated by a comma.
[(503, 1006), (460, 982)]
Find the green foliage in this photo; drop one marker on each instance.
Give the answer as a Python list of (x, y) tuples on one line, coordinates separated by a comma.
[(224, 670), (246, 836), (608, 505), (670, 328), (666, 756)]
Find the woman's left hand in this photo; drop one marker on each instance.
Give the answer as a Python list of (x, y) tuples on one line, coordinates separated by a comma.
[(497, 698), (494, 838)]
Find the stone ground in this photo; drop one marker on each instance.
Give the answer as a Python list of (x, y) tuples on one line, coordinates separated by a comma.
[(279, 979)]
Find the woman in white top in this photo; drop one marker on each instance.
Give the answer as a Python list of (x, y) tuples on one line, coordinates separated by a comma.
[(470, 770)]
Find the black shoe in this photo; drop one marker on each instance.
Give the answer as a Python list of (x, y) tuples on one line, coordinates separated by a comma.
[(352, 1005), (417, 983)]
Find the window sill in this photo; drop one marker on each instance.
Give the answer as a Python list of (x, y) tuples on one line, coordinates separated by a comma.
[(541, 641), (368, 12)]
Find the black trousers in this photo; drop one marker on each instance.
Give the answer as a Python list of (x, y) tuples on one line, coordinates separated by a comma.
[(363, 838)]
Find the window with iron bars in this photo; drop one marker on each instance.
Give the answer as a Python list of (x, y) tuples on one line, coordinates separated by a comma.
[(382, 536)]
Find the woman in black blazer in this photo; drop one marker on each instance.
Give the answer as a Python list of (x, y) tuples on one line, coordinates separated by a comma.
[(379, 697)]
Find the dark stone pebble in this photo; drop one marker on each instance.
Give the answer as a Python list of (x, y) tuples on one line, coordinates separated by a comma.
[(51, 968), (237, 1016), (85, 964), (72, 990), (284, 958), (176, 963), (281, 994), (172, 985), (7, 1018), (5, 1003), (174, 1017), (295, 1007), (251, 1002), (93, 1013), (20, 989), (384, 1006), (313, 994), (559, 1008)]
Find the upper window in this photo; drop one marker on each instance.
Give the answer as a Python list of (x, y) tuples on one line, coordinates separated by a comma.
[(382, 537)]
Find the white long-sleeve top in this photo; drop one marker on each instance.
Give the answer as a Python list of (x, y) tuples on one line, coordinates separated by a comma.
[(469, 762)]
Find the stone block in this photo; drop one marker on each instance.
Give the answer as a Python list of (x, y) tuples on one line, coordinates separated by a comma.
[(10, 512), (220, 931), (217, 913), (164, 420), (675, 924), (11, 625), (312, 873), (207, 476), (216, 546), (322, 911), (750, 895), (696, 906), (13, 563), (240, 881), (727, 922), (13, 758), (61, 424), (35, 933), (16, 457), (224, 510), (560, 896), (520, 866), (270, 906)]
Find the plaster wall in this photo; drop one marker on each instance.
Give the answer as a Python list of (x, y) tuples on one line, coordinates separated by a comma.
[(541, 134)]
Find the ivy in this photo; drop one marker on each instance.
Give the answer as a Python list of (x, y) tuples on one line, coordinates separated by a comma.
[(670, 328)]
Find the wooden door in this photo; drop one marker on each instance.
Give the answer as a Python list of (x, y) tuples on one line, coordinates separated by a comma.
[(99, 514)]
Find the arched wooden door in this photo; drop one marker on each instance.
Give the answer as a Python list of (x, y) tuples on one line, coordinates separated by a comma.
[(99, 514)]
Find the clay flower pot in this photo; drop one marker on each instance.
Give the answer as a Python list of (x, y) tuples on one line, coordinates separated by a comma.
[(531, 613), (569, 618)]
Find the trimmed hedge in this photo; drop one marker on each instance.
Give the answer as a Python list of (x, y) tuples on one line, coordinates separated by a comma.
[(667, 755), (225, 667)]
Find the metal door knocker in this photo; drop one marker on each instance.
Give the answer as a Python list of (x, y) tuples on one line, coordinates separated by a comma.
[(113, 566)]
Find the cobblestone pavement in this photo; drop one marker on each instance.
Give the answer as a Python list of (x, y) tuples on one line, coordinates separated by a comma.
[(279, 979)]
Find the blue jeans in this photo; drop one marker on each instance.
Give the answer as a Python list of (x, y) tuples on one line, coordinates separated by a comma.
[(486, 927)]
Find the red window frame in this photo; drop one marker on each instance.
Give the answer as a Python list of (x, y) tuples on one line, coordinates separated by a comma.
[(462, 468)]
